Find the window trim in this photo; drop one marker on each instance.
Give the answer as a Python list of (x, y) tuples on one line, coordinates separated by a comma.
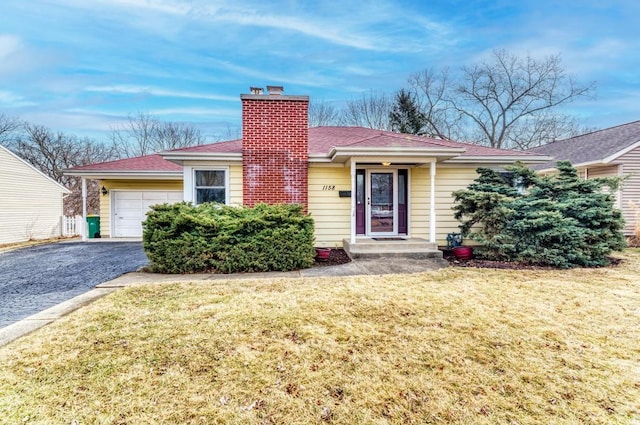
[(516, 182), (194, 188)]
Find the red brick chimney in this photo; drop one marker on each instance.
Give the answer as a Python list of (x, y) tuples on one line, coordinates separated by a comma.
[(275, 147)]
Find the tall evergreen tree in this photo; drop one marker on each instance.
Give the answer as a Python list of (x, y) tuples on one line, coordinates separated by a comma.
[(560, 220), (406, 117)]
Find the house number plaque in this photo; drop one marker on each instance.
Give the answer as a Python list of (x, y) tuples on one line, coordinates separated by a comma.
[(329, 187)]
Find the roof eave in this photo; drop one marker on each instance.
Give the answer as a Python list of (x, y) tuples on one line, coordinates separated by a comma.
[(179, 157), (621, 152), (499, 159), (580, 165), (125, 174), (319, 158), (344, 153)]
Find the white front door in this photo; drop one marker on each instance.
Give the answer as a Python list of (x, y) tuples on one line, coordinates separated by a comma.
[(382, 202), (130, 209)]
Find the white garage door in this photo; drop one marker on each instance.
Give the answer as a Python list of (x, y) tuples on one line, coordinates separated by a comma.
[(130, 207)]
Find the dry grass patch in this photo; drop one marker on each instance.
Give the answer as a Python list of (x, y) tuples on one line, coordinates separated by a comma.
[(456, 346), (32, 242)]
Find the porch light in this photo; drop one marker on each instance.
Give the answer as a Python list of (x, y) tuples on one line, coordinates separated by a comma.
[(386, 164), (104, 191)]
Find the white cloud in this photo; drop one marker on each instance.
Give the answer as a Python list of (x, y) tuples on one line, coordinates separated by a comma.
[(9, 44), (306, 79), (73, 120), (166, 7), (12, 100), (9, 97), (212, 113), (323, 31), (155, 91), (381, 27)]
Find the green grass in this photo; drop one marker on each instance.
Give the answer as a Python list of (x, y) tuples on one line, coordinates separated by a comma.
[(455, 346)]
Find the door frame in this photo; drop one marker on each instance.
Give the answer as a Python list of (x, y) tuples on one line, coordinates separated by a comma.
[(368, 173), (360, 204)]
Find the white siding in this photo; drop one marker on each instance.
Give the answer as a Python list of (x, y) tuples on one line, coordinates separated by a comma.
[(30, 202), (331, 214), (448, 180), (608, 171), (630, 197)]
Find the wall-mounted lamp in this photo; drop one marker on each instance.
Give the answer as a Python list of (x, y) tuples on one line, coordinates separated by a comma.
[(386, 164), (104, 191)]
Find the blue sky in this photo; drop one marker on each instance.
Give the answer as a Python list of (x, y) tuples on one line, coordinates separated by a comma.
[(83, 66)]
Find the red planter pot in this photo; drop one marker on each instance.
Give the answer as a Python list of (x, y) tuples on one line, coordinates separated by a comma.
[(463, 252), (323, 253)]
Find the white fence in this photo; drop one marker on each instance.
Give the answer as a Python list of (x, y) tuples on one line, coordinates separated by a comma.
[(72, 226)]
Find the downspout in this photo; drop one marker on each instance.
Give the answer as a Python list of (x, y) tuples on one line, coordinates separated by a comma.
[(432, 203), (84, 210)]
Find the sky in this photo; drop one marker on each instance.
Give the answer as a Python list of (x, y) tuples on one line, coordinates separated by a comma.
[(85, 66)]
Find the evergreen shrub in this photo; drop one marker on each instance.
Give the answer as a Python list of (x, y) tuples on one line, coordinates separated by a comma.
[(186, 238), (559, 220)]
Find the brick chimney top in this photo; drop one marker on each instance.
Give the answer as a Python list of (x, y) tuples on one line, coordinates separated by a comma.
[(273, 93), (275, 89), (275, 148)]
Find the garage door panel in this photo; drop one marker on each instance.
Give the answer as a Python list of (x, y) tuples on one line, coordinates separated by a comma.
[(174, 197), (128, 195), (155, 196), (130, 209)]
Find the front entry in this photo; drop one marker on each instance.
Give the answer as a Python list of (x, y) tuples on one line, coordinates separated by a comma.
[(381, 202)]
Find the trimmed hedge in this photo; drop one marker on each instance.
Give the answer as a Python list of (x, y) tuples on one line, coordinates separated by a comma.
[(183, 238)]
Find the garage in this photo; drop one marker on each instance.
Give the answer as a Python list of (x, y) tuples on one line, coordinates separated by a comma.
[(130, 208)]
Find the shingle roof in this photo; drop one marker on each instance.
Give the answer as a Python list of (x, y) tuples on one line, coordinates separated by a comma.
[(139, 163), (590, 147), (321, 141), (231, 146)]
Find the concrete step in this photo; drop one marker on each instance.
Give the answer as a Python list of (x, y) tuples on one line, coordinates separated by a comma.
[(414, 248)]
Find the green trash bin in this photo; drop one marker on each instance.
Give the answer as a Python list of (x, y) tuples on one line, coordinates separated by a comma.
[(94, 226)]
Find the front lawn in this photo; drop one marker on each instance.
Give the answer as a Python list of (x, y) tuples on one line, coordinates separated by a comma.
[(460, 345)]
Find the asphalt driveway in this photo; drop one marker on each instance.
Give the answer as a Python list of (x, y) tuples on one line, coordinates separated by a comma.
[(36, 278)]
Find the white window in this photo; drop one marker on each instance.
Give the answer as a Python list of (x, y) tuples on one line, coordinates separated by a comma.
[(210, 186), (515, 181)]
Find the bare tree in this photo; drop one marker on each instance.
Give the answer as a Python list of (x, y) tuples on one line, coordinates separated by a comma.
[(322, 113), (52, 153), (441, 120), (8, 127), (371, 111), (231, 133), (144, 135), (506, 102), (171, 135), (544, 129)]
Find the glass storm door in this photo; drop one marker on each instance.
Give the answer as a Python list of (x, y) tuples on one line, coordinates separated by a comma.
[(382, 202), (360, 202)]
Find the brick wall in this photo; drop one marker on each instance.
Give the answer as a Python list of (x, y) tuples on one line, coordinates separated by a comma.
[(275, 149)]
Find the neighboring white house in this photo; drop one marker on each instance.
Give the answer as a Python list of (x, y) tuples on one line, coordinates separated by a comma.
[(30, 202), (609, 152)]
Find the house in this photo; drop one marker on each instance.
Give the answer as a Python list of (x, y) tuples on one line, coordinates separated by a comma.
[(357, 183), (613, 151), (31, 202)]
